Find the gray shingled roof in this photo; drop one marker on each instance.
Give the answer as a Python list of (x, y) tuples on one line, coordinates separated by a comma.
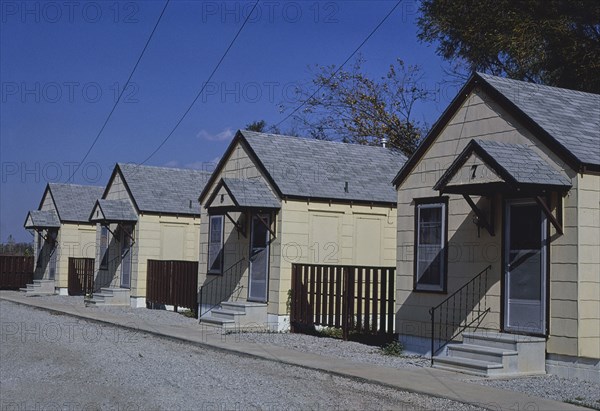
[(115, 210), (523, 164), (251, 192), (74, 202), (42, 219), (165, 190), (571, 117), (518, 163), (304, 167)]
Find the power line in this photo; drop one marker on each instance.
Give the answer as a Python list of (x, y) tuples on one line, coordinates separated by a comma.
[(203, 86), (343, 64), (120, 94)]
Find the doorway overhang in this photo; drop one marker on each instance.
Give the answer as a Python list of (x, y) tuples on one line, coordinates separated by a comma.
[(487, 168)]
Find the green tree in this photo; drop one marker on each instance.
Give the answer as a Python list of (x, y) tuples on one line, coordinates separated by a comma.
[(553, 42), (259, 126), (352, 107)]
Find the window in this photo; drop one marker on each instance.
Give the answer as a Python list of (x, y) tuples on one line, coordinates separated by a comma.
[(215, 244), (431, 232), (103, 247)]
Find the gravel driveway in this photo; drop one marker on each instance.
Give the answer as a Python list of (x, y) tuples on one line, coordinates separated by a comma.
[(560, 389), (50, 361), (332, 347)]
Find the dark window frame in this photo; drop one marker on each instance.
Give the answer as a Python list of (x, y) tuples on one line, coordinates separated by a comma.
[(210, 270), (443, 286), (104, 248)]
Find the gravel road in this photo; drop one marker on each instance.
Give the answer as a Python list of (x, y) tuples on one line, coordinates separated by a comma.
[(50, 361)]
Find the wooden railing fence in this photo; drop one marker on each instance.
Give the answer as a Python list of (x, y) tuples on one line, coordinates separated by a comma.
[(16, 271), (81, 276), (353, 298), (171, 282)]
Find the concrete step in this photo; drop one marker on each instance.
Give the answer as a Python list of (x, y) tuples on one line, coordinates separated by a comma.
[(239, 315), (491, 339), (242, 305), (226, 314), (41, 282), (479, 352), (39, 287), (233, 306), (499, 340), (99, 298), (494, 353), (220, 322), (467, 366), (110, 296)]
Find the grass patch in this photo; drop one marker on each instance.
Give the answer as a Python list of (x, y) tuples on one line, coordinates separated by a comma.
[(375, 340), (393, 349), (330, 332), (190, 314)]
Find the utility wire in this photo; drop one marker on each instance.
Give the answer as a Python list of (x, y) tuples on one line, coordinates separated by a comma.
[(203, 86), (343, 64), (120, 94)]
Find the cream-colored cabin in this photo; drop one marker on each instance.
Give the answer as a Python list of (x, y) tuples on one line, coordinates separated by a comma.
[(508, 179), (145, 213), (61, 231), (276, 200)]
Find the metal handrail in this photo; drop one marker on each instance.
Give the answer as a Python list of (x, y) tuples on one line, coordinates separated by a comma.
[(471, 306), (221, 288)]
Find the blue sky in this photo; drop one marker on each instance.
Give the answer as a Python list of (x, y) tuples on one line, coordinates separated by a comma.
[(61, 64)]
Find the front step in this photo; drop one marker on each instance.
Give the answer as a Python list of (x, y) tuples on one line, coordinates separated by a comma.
[(237, 316), (109, 296), (468, 366), (494, 354), (39, 287), (481, 353)]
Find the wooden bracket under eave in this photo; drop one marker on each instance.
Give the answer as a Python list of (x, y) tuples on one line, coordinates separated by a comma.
[(480, 216), (266, 224), (557, 225), (239, 227)]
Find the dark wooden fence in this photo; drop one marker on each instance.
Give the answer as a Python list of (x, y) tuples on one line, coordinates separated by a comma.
[(172, 283), (81, 276), (352, 298), (16, 271)]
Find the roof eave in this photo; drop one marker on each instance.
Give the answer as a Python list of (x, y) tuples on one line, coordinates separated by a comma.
[(239, 137), (547, 139), (393, 203), (220, 166), (506, 104), (116, 170), (437, 128)]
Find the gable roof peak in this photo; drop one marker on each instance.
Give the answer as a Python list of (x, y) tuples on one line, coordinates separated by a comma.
[(167, 190), (566, 121), (73, 202)]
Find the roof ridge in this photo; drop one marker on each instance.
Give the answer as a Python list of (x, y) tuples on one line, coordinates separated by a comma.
[(332, 142), (74, 185), (164, 167), (530, 83)]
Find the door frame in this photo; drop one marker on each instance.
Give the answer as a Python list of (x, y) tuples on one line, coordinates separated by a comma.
[(268, 251), (506, 201), (126, 236), (53, 256)]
